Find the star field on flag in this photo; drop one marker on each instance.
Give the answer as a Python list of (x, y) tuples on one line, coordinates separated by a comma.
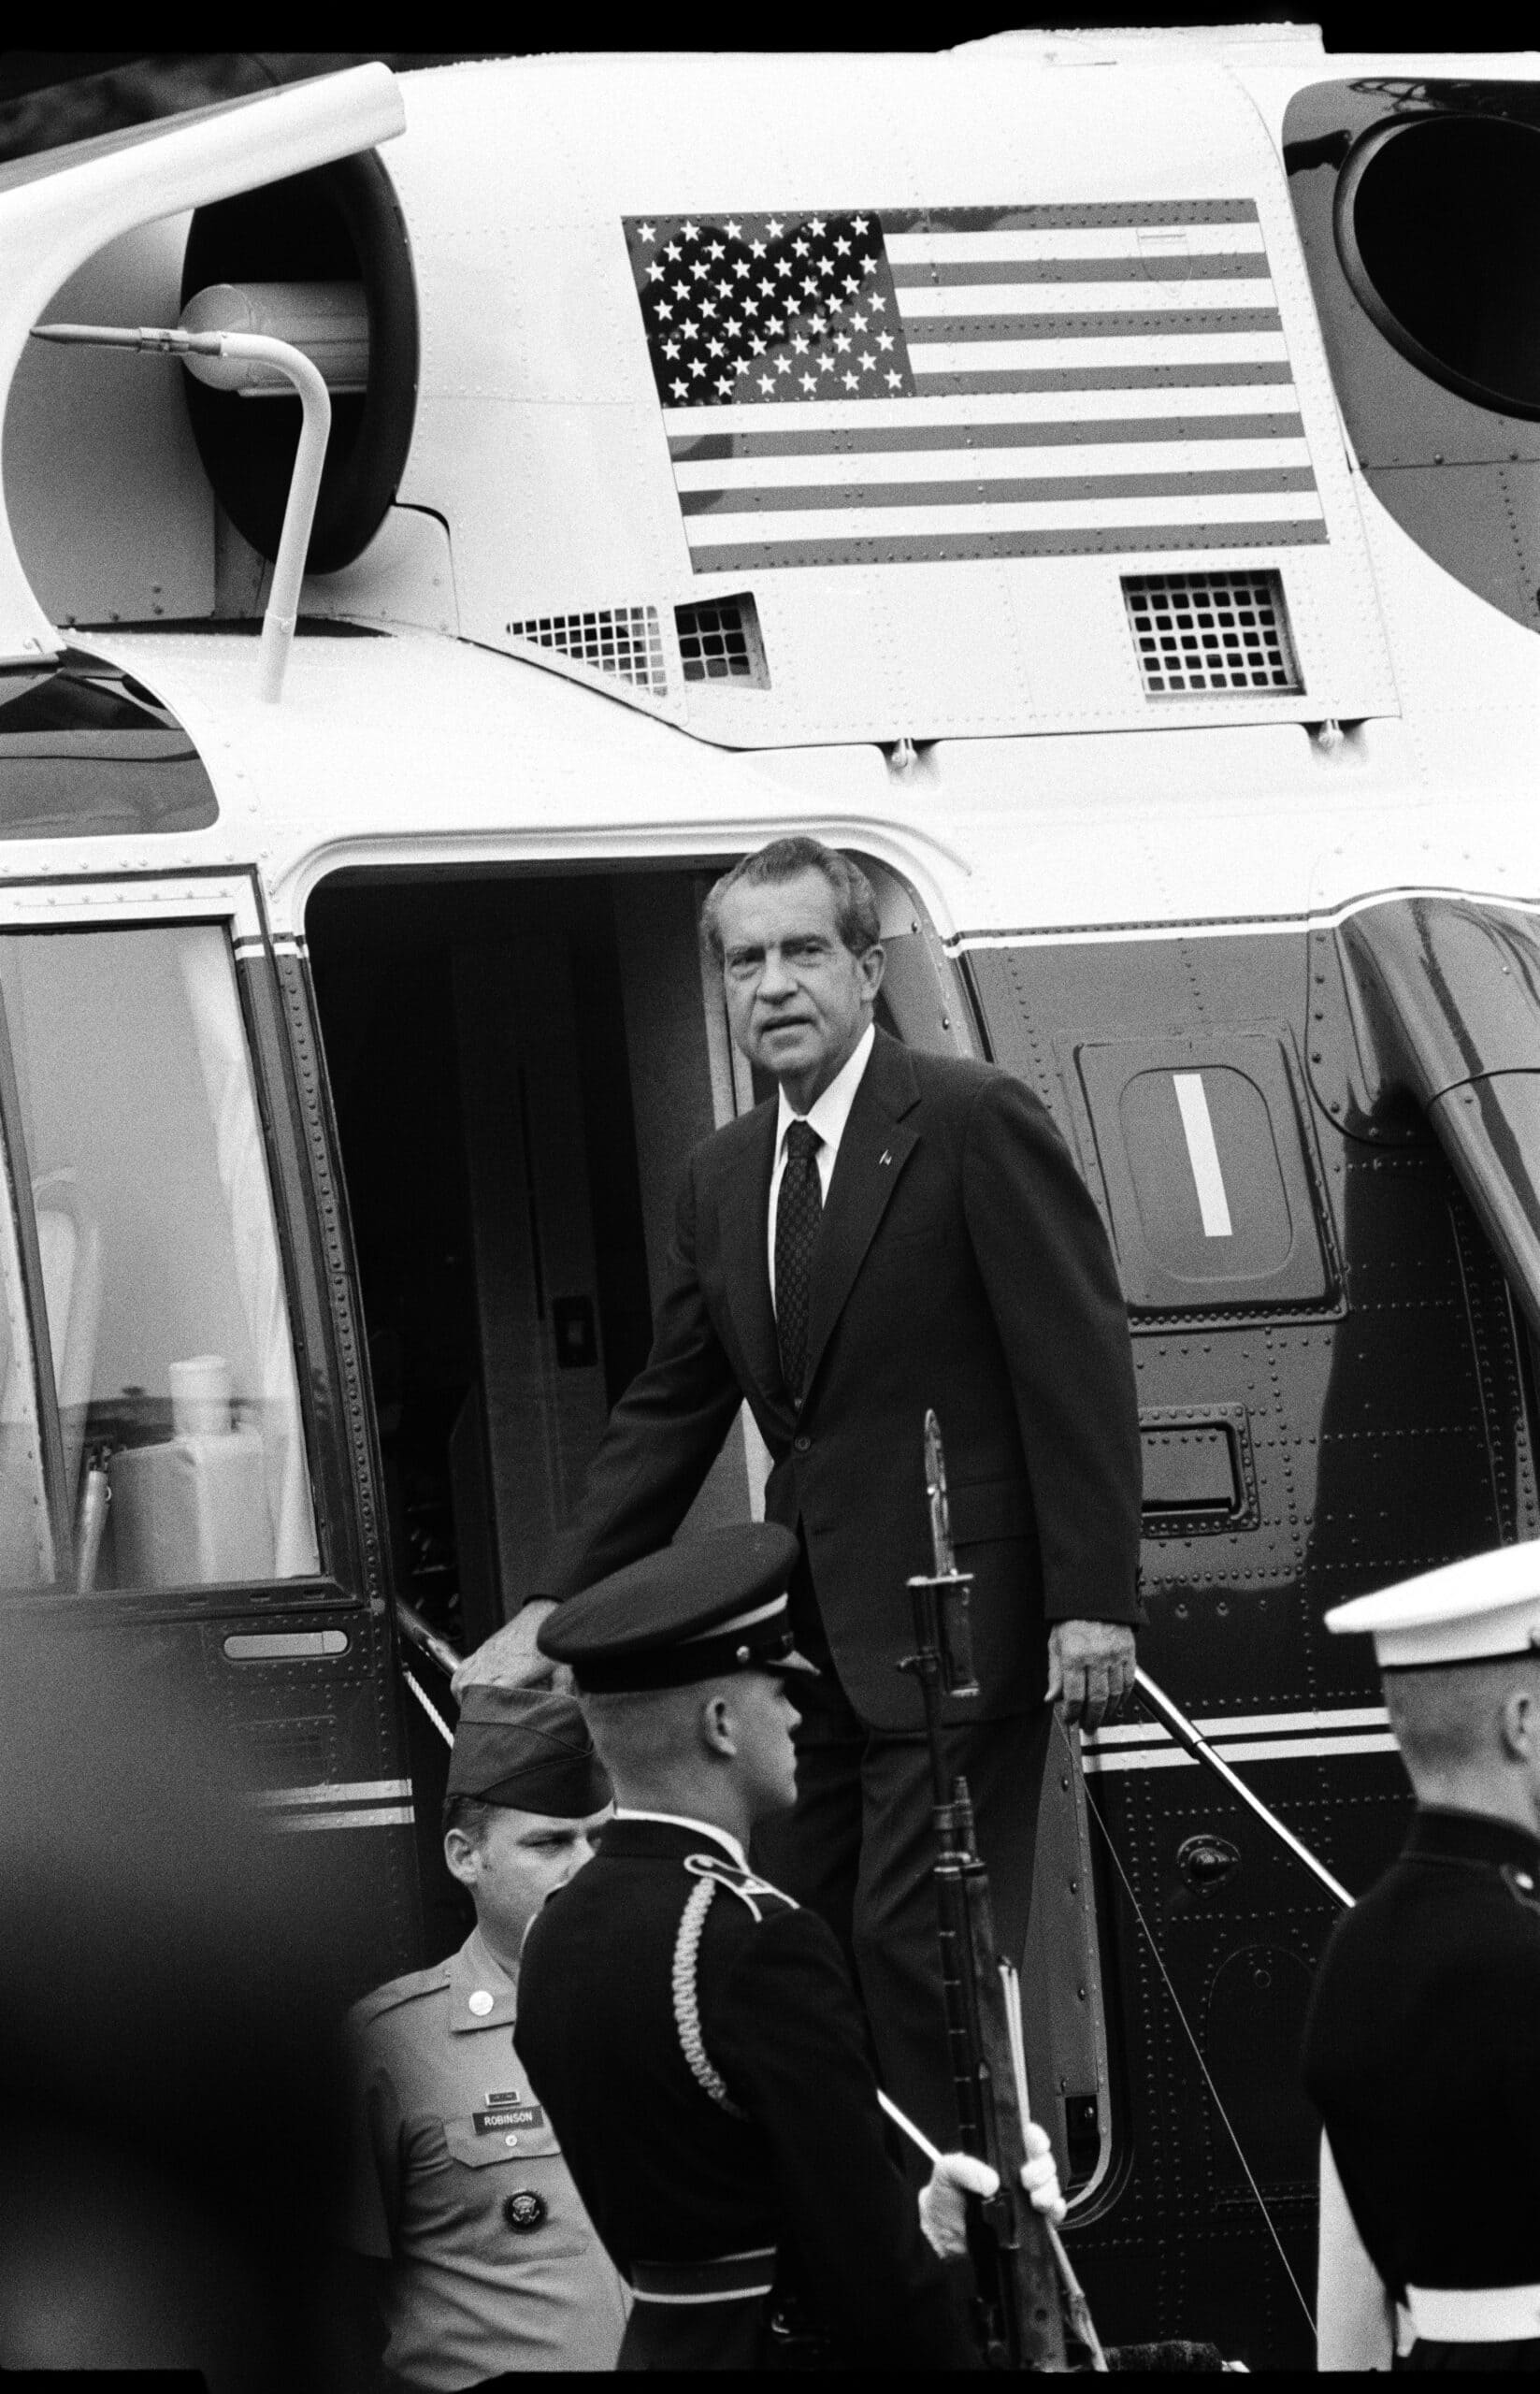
[(855, 386)]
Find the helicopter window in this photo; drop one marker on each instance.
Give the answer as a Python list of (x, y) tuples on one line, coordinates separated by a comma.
[(1206, 1171), (1438, 228), (175, 1375)]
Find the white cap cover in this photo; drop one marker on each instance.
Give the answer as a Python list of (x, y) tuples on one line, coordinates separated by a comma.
[(1482, 1609)]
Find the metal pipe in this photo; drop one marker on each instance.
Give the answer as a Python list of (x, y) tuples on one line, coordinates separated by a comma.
[(1157, 1701), (278, 624), (415, 1630)]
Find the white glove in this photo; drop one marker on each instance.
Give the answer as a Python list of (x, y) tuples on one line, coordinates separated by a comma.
[(956, 2176)]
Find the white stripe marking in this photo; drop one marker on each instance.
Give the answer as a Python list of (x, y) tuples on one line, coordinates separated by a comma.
[(1259, 1750), (876, 523), (1203, 1154), (383, 1817), (1084, 298), (338, 1790), (985, 407), (1064, 461), (1079, 242)]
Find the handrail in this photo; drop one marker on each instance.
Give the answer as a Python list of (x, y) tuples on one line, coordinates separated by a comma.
[(1157, 1701)]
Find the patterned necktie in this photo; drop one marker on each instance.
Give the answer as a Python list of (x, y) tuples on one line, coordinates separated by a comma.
[(798, 1211)]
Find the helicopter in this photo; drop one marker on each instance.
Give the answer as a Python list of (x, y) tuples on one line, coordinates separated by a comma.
[(1093, 479)]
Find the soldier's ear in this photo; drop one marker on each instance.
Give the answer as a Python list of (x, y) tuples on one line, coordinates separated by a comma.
[(462, 1858), (1521, 1724), (717, 1727)]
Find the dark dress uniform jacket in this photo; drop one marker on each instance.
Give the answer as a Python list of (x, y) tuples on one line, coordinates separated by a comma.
[(961, 1266), (671, 2177), (1422, 2055)]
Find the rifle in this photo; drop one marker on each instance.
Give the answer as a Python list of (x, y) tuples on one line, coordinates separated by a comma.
[(1017, 2258)]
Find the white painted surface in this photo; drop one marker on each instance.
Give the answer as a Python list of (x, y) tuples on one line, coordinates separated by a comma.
[(1203, 1154)]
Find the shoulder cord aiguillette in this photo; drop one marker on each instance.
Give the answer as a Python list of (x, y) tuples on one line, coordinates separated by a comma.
[(687, 2003)]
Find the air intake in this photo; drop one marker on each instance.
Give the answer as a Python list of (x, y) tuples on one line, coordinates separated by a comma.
[(719, 642), (626, 640), (1198, 635)]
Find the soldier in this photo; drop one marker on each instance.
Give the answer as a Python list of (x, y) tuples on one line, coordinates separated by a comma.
[(1421, 2047), (695, 2034), (487, 2259)]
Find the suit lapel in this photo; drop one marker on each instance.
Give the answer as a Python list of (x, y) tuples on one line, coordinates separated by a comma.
[(746, 1243), (876, 1144)]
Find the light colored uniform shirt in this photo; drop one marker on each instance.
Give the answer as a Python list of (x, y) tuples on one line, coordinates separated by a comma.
[(827, 1116), (457, 2181)]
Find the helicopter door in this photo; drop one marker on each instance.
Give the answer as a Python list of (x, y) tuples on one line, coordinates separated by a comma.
[(167, 1360)]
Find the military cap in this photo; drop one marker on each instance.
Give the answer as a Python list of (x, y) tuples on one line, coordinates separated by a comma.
[(1478, 1610), (708, 1606), (529, 1750)]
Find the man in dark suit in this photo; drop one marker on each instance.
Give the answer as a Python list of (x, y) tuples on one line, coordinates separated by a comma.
[(896, 1231)]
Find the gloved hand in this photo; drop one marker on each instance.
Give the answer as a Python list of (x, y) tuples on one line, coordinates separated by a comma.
[(957, 2175)]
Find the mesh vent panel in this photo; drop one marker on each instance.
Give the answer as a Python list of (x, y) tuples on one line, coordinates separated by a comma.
[(613, 640), (1205, 633), (719, 642)]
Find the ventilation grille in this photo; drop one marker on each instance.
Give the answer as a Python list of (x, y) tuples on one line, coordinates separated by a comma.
[(1202, 633), (719, 642), (627, 641)]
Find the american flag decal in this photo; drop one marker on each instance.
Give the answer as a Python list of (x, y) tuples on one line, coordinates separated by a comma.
[(864, 386)]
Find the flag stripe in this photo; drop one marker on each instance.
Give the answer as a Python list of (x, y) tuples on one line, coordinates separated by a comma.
[(1207, 324), (1128, 304), (1225, 373), (809, 498), (978, 353), (902, 224), (1130, 265), (933, 249), (1053, 514), (865, 439), (878, 547), (1262, 462)]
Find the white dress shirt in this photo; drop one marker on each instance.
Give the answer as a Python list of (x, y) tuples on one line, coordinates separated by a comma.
[(827, 1116), (683, 1821)]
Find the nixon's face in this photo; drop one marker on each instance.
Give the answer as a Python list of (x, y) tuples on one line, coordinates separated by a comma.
[(797, 1000), (764, 1719), (519, 1860)]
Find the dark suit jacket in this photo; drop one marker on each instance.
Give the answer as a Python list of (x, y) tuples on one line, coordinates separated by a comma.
[(961, 1266)]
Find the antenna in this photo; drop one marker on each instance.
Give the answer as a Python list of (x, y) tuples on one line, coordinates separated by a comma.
[(278, 624)]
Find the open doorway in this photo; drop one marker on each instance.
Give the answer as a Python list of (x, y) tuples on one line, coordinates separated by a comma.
[(519, 1066)]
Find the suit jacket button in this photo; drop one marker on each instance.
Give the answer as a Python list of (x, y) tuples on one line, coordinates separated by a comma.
[(803, 1443)]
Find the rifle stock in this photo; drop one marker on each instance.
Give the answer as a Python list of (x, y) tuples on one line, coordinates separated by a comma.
[(1010, 2245)]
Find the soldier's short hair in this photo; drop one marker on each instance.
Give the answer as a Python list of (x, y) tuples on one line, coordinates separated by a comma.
[(855, 900), (1447, 1715), (466, 1813)]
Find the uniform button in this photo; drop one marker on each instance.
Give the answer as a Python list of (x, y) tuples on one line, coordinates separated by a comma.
[(481, 2003), (511, 2140), (803, 1443), (1525, 1881)]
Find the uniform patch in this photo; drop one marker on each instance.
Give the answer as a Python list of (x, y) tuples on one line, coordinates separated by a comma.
[(523, 2211), (509, 2116), (497, 2097)]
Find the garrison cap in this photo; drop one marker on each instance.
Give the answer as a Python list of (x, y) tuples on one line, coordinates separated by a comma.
[(529, 1750), (697, 1610), (1475, 1611)]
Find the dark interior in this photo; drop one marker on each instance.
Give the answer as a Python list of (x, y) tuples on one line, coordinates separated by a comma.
[(1442, 239)]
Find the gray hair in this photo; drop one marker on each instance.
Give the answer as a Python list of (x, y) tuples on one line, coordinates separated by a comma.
[(855, 900)]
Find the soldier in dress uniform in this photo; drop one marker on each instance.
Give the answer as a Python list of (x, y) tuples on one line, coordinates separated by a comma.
[(1422, 2045), (694, 2035), (458, 2193)]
